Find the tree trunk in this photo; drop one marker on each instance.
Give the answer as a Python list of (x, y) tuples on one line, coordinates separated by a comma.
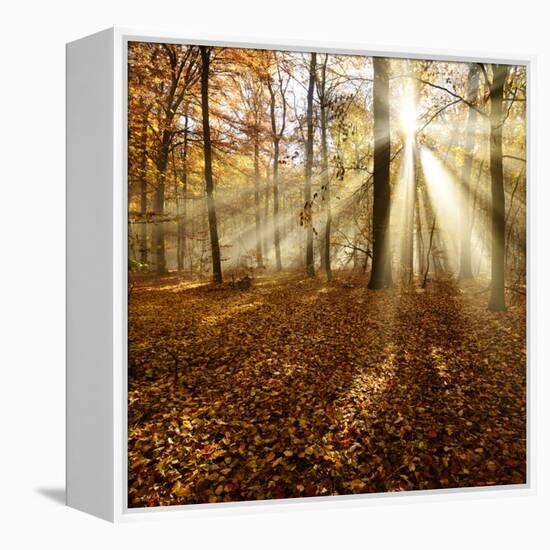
[(427, 269), (182, 216), (498, 225), (276, 228), (466, 241), (325, 175), (276, 138), (209, 181), (419, 237), (475, 194), (266, 212), (191, 244), (407, 249), (381, 261), (259, 256), (158, 204), (310, 267), (143, 197)]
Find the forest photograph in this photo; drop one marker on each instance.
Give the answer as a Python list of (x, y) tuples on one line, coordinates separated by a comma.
[(327, 274)]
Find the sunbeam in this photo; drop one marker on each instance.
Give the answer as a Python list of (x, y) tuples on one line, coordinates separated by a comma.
[(450, 203), (402, 211)]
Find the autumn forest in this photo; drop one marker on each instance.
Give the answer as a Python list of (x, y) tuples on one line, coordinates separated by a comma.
[(327, 274)]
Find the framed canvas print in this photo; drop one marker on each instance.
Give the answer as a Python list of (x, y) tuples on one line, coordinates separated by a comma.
[(297, 274)]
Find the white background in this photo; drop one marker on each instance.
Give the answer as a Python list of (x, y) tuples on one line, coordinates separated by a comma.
[(33, 37)]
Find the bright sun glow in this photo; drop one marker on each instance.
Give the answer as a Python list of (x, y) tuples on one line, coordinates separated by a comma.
[(407, 111)]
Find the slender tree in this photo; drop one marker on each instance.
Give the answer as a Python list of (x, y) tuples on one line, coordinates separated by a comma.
[(407, 247), (266, 211), (257, 210), (465, 245), (310, 267), (381, 267), (277, 134), (182, 213), (143, 191), (208, 178), (158, 205), (325, 179), (498, 226), (251, 93), (419, 234)]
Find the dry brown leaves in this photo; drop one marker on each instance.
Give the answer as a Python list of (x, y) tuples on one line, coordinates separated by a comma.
[(296, 388)]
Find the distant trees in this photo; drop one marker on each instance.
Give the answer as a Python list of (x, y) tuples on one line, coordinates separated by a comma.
[(252, 159), (183, 71), (276, 86), (139, 120), (253, 96)]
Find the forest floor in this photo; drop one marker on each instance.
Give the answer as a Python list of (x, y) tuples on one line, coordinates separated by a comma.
[(297, 387)]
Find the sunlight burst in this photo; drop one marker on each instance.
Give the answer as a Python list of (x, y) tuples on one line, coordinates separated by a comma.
[(408, 122)]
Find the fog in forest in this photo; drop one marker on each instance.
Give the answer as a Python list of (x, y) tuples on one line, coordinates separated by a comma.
[(440, 164)]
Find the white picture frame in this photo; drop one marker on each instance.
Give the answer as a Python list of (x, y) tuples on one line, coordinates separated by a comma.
[(96, 433)]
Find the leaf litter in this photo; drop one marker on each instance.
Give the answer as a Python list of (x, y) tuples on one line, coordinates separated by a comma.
[(298, 388)]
